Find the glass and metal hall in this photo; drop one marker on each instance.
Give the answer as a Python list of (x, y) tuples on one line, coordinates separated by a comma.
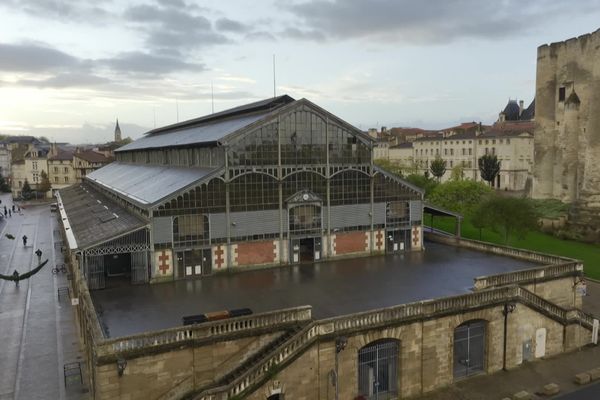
[(276, 182)]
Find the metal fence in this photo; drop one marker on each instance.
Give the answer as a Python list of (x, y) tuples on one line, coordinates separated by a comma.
[(378, 370)]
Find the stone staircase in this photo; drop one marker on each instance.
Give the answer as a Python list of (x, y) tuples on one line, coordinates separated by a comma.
[(275, 356), (184, 391)]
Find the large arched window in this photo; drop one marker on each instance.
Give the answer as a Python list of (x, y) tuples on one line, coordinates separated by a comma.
[(378, 369), (469, 348)]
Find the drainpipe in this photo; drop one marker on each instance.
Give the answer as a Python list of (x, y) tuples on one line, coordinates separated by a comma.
[(508, 308)]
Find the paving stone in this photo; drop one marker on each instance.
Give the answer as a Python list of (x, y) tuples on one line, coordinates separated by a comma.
[(550, 389), (582, 379), (522, 395)]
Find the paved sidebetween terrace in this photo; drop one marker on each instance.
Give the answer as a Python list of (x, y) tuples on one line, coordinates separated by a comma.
[(331, 288), (37, 330)]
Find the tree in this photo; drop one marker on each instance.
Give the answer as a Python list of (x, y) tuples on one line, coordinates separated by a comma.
[(489, 167), (45, 185), (3, 185), (457, 173), (389, 166), (438, 167), (422, 181), (26, 190), (507, 215), (460, 196)]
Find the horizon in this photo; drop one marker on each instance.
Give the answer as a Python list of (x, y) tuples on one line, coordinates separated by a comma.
[(384, 63)]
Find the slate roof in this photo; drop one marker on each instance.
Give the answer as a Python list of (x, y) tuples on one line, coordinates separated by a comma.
[(209, 129), (94, 218), (63, 155), (93, 156), (144, 184), (529, 112)]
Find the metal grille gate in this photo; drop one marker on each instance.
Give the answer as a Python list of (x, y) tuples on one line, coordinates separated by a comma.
[(95, 272), (469, 349), (378, 370), (139, 267)]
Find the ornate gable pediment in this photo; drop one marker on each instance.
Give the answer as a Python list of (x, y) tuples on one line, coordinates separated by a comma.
[(303, 196)]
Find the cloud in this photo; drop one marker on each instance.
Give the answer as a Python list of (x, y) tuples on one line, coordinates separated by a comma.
[(167, 27), (229, 25), (423, 22), (35, 57), (61, 10), (137, 62), (65, 80)]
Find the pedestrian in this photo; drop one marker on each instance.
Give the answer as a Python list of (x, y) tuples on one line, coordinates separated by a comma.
[(24, 240), (38, 253), (9, 213), (19, 208), (13, 208), (5, 212), (16, 278)]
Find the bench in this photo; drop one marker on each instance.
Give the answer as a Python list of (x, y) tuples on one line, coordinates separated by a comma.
[(72, 371)]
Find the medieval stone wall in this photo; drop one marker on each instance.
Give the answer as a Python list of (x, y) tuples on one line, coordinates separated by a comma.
[(567, 135)]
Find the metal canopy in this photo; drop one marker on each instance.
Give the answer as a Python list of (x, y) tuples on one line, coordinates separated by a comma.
[(439, 211), (90, 229), (146, 184), (208, 132)]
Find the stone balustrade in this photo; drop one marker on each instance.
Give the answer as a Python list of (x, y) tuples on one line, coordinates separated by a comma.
[(514, 252), (393, 315), (206, 331), (571, 268)]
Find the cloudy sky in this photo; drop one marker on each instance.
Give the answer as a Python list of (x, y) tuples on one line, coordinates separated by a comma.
[(69, 68)]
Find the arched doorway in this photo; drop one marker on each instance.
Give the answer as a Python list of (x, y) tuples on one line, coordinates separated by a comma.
[(469, 348), (378, 370)]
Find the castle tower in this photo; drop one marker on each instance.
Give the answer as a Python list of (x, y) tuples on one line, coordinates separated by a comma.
[(118, 132)]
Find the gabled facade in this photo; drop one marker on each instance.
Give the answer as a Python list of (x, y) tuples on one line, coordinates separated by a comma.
[(271, 183)]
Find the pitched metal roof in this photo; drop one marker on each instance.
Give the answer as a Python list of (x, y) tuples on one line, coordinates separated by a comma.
[(146, 184), (209, 132), (93, 218), (207, 129)]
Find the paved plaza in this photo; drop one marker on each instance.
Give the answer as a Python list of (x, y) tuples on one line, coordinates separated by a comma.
[(37, 330), (331, 288)]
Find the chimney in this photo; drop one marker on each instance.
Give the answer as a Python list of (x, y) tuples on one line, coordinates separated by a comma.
[(521, 107), (479, 129)]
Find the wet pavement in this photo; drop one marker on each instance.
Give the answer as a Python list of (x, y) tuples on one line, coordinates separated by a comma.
[(331, 288), (37, 331)]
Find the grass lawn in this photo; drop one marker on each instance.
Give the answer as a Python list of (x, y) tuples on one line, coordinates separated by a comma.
[(537, 241)]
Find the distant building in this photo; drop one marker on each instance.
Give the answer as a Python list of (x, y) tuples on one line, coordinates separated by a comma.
[(60, 168), (118, 132), (510, 139), (87, 161)]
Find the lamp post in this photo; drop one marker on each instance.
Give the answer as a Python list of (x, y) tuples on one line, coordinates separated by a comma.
[(340, 344)]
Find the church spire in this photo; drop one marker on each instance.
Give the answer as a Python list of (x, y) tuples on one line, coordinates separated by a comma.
[(117, 132)]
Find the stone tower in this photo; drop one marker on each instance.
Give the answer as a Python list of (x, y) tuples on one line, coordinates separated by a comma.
[(567, 134), (117, 132)]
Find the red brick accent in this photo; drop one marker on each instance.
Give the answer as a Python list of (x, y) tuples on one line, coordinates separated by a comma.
[(253, 253), (219, 256), (351, 242), (379, 242)]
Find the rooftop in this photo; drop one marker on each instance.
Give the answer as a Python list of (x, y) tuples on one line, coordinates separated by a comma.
[(93, 156), (146, 184), (332, 288), (209, 129), (94, 218)]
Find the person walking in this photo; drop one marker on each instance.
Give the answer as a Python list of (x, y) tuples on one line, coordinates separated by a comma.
[(24, 240), (38, 253), (16, 277), (13, 208), (9, 213)]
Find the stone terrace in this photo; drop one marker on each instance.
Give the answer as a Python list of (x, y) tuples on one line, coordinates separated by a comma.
[(331, 288)]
